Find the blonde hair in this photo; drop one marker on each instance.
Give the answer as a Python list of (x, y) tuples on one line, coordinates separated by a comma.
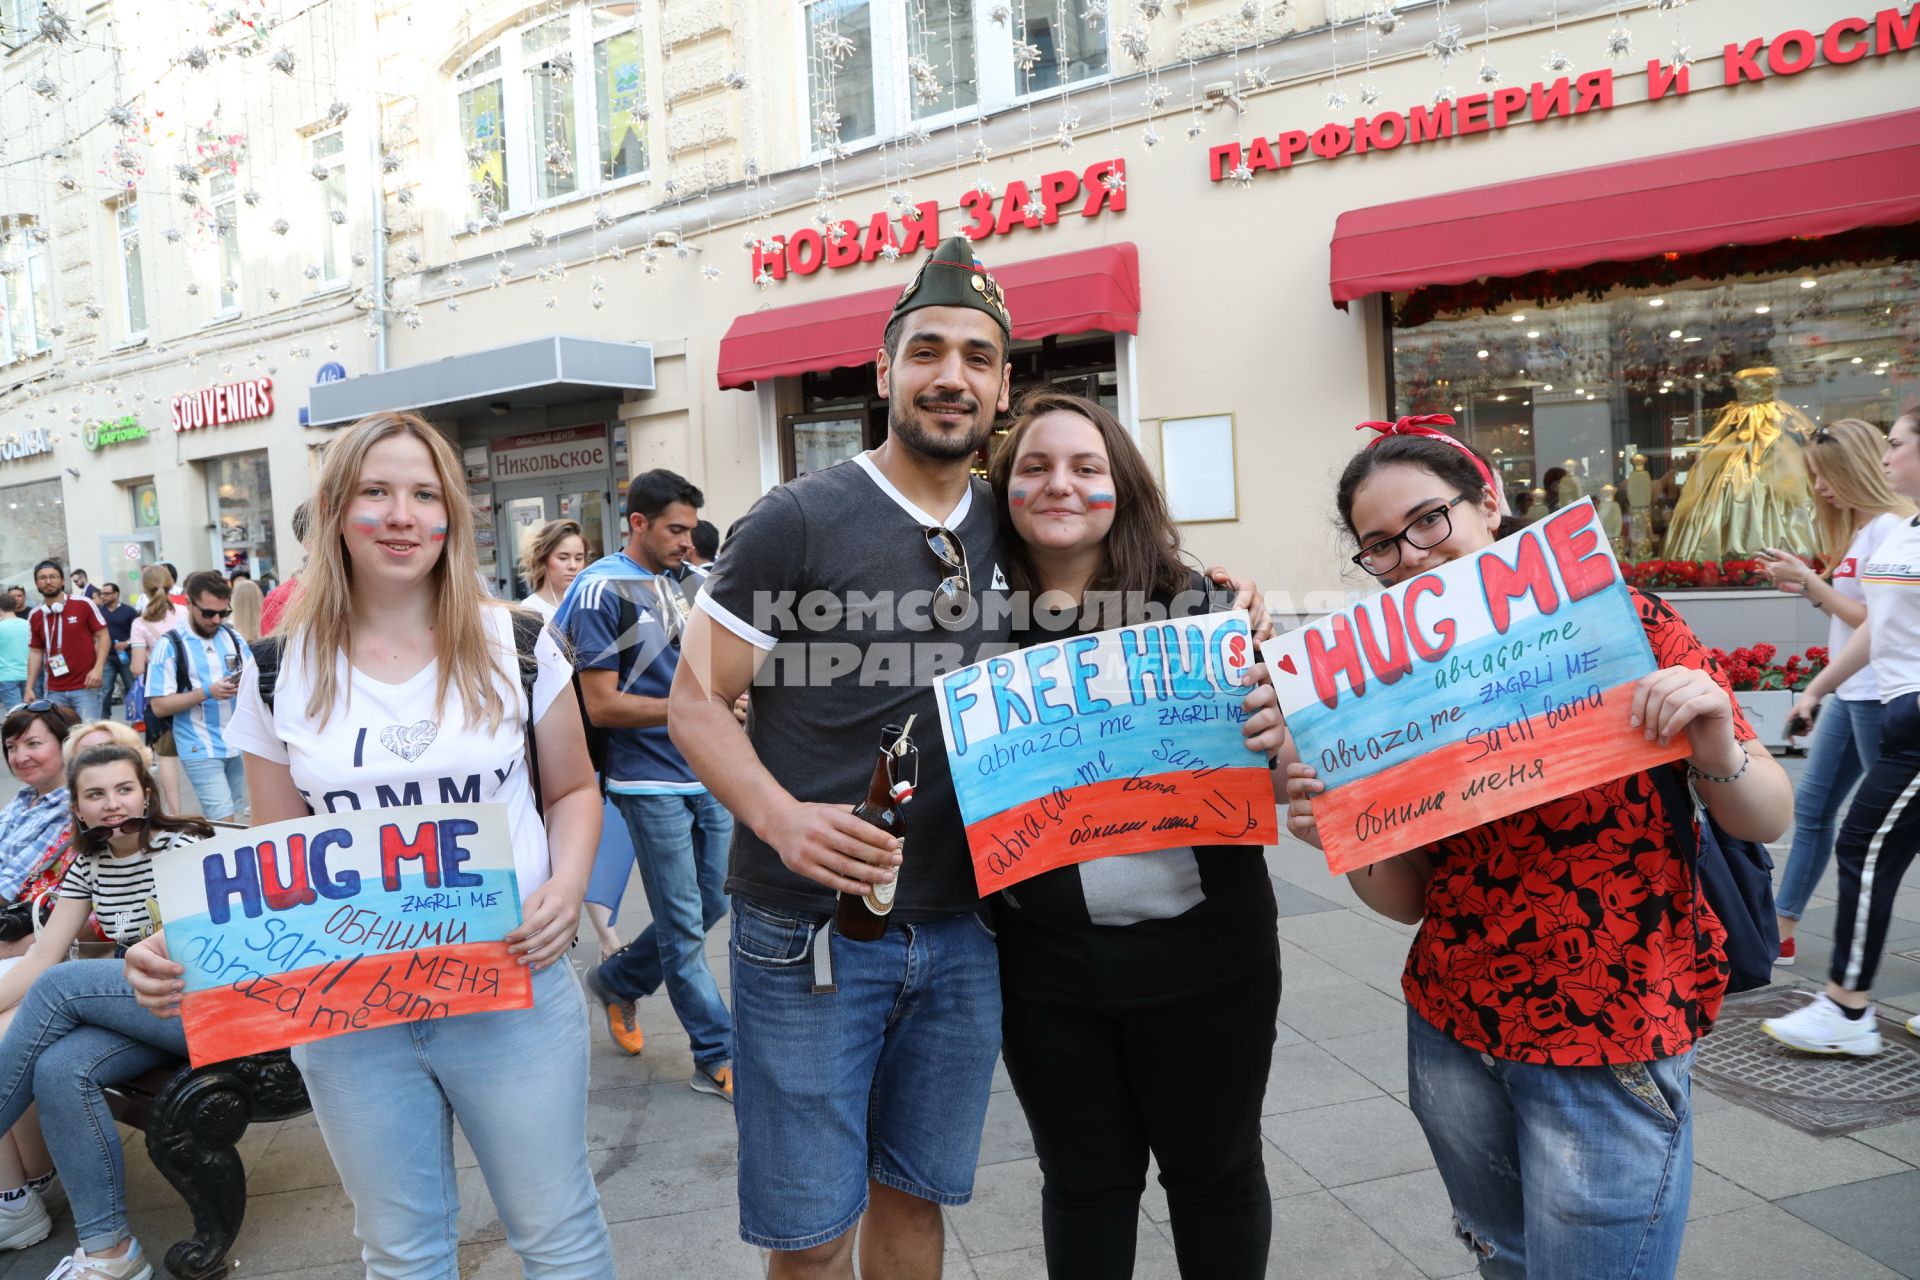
[(1846, 455), (246, 609), (122, 735), (320, 617), (545, 541), (157, 585)]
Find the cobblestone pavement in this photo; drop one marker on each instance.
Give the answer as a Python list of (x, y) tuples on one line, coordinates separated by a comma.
[(1355, 1192)]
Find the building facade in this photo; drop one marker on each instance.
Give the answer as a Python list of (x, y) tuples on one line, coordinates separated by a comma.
[(587, 239)]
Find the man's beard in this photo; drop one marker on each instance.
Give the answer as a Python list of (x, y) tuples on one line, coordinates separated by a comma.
[(54, 593), (905, 425)]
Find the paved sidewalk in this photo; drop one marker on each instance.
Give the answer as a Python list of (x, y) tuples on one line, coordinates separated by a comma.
[(1355, 1192)]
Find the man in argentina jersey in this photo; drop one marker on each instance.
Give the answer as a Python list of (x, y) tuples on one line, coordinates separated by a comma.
[(624, 615), (202, 707)]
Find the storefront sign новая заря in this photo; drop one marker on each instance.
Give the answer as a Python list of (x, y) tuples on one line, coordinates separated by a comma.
[(1787, 54)]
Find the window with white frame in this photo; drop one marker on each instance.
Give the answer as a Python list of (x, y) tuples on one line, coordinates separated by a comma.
[(330, 154), (958, 60), (19, 22), (555, 109), (23, 288), (133, 280), (226, 242)]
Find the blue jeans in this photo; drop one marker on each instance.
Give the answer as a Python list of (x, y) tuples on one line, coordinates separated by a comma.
[(884, 1079), (1557, 1171), (118, 673), (84, 702), (79, 1028), (516, 1080), (220, 784), (681, 845), (12, 694), (1846, 742)]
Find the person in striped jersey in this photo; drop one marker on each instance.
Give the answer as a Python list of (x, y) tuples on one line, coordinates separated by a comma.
[(73, 1027), (1882, 829)]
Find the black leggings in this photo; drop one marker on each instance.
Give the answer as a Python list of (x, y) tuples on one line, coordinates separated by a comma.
[(1876, 844), (1102, 1088)]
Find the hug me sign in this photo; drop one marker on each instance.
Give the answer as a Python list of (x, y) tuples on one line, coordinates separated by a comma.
[(339, 922), (1493, 684), (1116, 742)]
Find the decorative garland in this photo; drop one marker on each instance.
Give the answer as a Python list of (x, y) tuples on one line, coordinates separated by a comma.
[(1799, 253)]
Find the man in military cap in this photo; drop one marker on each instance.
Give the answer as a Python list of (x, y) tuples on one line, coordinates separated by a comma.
[(861, 1069)]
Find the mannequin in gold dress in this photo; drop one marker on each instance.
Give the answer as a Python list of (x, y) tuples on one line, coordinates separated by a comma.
[(1749, 487)]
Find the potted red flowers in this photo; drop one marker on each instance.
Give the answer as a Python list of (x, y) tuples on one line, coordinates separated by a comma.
[(1765, 688)]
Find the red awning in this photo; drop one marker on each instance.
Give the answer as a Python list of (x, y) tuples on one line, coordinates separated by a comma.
[(1068, 293), (1815, 182)]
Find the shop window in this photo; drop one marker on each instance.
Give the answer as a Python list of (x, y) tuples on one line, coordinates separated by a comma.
[(330, 154), (240, 509), (958, 61), (33, 527), (526, 104), (827, 417), (226, 242), (23, 288), (133, 279), (19, 22), (1636, 399)]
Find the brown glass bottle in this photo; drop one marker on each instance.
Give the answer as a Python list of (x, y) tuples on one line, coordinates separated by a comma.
[(863, 917)]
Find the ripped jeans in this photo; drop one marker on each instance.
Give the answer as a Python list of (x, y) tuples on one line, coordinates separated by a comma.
[(1560, 1173)]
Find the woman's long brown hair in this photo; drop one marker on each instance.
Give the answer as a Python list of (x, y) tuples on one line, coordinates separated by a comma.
[(158, 819), (1143, 546), (320, 618)]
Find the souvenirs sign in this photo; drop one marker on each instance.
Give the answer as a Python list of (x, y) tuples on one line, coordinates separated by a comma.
[(1493, 684), (1115, 742), (338, 922)]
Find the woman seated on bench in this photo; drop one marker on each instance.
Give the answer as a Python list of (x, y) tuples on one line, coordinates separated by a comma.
[(77, 1025)]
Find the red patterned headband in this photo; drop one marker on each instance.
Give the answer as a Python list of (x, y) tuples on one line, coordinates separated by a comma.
[(1423, 425)]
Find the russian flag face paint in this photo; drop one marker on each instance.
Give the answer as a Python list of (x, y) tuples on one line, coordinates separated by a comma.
[(1099, 502), (368, 525), (438, 533), (1017, 497)]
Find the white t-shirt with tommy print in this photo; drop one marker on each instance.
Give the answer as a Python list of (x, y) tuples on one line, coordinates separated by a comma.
[(388, 745)]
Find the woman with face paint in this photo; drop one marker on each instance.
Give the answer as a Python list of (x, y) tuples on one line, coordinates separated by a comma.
[(1563, 971), (398, 682), (73, 1027), (1139, 993)]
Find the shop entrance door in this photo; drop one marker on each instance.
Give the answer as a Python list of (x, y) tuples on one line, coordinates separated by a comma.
[(124, 555), (520, 508)]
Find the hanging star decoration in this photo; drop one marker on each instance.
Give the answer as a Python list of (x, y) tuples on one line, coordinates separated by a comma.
[(1113, 180), (1258, 78), (282, 61), (1149, 138), (279, 226), (339, 216), (926, 81), (1156, 96), (1025, 55), (1034, 210), (45, 87), (999, 15), (834, 46), (1135, 43), (121, 116), (1151, 9), (1336, 100), (389, 162), (1445, 93), (1384, 19), (1557, 61), (1095, 11), (320, 173), (560, 63), (197, 58), (1619, 42), (1195, 128), (1446, 45), (602, 218), (1369, 94), (735, 79), (311, 271), (1489, 74), (764, 279), (710, 271), (1682, 55), (1250, 13), (1241, 175), (171, 235), (1666, 6), (250, 198), (55, 26)]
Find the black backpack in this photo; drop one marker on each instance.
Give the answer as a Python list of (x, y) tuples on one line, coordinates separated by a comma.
[(157, 725), (526, 634), (1735, 876)]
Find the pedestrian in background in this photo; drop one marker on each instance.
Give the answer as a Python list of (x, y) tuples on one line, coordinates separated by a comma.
[(159, 614), (246, 608), (553, 556), (275, 604), (13, 652), (67, 643), (193, 678), (120, 619), (1857, 513)]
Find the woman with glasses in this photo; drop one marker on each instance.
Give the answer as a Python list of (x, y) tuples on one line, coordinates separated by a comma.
[(1139, 992), (1564, 967), (399, 683), (1881, 833), (73, 1027), (1857, 513)]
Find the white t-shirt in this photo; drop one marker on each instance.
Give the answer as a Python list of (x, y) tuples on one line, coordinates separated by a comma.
[(387, 745), (540, 605), (1861, 686), (1892, 582)]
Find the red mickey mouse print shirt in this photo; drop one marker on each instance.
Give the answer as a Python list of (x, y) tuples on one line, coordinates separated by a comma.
[(1564, 934)]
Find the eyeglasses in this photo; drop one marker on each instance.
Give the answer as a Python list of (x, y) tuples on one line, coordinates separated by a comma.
[(1422, 532), (953, 598), (215, 613), (34, 708), (1822, 434), (94, 839)]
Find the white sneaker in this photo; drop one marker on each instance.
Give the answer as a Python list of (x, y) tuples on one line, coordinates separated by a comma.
[(1819, 1027), (83, 1266), (24, 1222), (1913, 1024)]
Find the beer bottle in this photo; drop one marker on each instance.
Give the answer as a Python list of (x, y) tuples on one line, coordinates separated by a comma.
[(863, 917)]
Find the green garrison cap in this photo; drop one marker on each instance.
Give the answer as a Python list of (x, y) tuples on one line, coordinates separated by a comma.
[(953, 277)]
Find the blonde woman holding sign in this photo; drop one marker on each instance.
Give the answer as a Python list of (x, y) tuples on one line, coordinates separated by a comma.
[(1114, 971), (400, 684), (1565, 968)]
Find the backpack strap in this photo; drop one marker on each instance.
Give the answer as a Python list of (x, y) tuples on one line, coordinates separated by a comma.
[(527, 627)]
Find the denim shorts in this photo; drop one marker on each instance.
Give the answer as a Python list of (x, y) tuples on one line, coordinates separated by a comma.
[(884, 1079)]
